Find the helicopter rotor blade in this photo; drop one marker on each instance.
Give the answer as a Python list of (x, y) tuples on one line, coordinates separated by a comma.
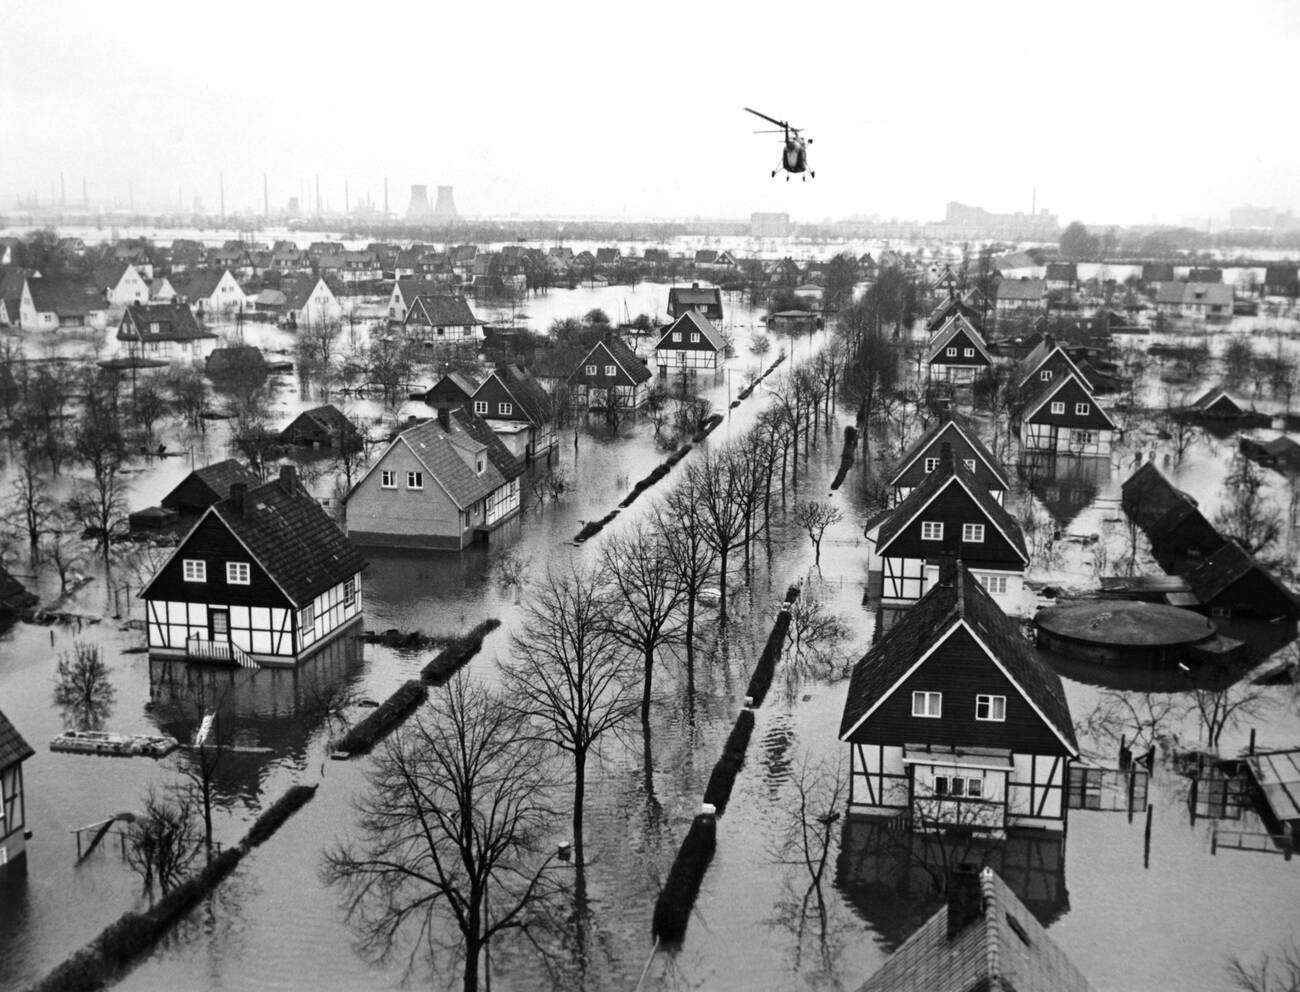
[(768, 132), (771, 120)]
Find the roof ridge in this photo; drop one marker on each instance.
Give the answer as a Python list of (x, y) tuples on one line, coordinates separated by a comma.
[(992, 928)]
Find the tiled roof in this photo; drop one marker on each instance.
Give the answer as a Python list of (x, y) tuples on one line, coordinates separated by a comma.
[(65, 297), (1224, 567), (1021, 289), (952, 305), (13, 748), (955, 599), (693, 320), (108, 276), (434, 448), (623, 356), (526, 392), (476, 427), (219, 477), (972, 438), (953, 473), (1003, 949), (174, 322), (13, 594), (440, 310), (953, 326), (694, 295), (200, 283), (298, 291), (1047, 353), (292, 538), (1212, 397), (328, 418)]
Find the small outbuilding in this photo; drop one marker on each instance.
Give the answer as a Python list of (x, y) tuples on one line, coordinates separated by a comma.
[(321, 427), (1231, 583)]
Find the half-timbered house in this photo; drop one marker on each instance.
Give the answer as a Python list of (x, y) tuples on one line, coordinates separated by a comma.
[(518, 409), (952, 719), (949, 515), (610, 373), (432, 317), (1048, 362), (264, 578), (952, 306), (956, 352), (925, 454), (1063, 416), (691, 344), (13, 807)]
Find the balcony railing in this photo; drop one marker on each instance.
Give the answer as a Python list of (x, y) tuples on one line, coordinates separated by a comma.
[(208, 650)]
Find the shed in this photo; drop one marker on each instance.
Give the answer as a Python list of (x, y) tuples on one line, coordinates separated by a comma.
[(1231, 583)]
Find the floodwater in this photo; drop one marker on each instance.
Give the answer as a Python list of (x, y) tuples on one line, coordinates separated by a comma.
[(1128, 920)]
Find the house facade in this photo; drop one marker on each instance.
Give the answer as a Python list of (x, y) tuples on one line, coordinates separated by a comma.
[(953, 720), (1198, 300), (434, 317), (611, 372), (265, 577), (405, 290), (691, 344), (13, 805), (440, 485), (122, 285), (1062, 416), (948, 516), (49, 304), (1021, 294), (518, 409), (214, 292), (956, 353), (310, 303), (164, 331), (926, 453)]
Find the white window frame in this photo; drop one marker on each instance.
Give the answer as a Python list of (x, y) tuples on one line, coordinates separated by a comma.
[(238, 573), (591, 370), (194, 570), (695, 337), (1045, 375), (994, 708), (349, 591), (930, 465), (968, 353), (972, 533), (480, 407), (415, 480), (387, 479), (1082, 409), (969, 464), (505, 409), (951, 352), (307, 617), (1081, 436), (611, 370), (931, 530), (1058, 406), (677, 335), (927, 704), (994, 585)]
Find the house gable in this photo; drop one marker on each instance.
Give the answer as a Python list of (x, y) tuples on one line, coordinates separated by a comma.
[(688, 324), (494, 393), (1070, 392), (953, 505), (964, 448), (212, 542), (950, 348)]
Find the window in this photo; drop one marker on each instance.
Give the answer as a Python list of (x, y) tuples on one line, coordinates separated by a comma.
[(611, 371), (505, 409), (958, 787), (927, 704), (1081, 409), (195, 570), (591, 370), (237, 573), (414, 480), (951, 353), (695, 337), (969, 463), (1223, 612), (479, 464), (677, 335), (1081, 437), (931, 530), (941, 785), (1058, 407), (349, 592), (1045, 375), (480, 407), (991, 708), (973, 533), (307, 619), (931, 464), (968, 353), (995, 585), (387, 479)]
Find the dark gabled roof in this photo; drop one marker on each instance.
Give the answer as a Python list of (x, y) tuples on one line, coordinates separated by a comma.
[(623, 356), (1048, 353), (950, 306), (498, 454), (218, 478), (175, 322), (957, 599), (200, 283), (411, 288), (968, 433), (692, 295), (13, 748), (954, 325), (64, 296), (1224, 567), (1048, 389), (525, 391), (462, 380), (329, 418), (108, 276), (705, 256), (693, 320), (292, 538), (989, 954), (1213, 396), (1155, 504), (440, 310), (952, 473), (1058, 271)]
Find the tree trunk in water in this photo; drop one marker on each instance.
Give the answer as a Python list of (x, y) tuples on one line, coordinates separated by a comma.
[(646, 684), (690, 647), (579, 798), (722, 582), (473, 948)]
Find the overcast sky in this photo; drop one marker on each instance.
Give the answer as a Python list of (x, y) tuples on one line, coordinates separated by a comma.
[(1119, 112)]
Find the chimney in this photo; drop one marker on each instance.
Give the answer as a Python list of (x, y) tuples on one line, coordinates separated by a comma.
[(444, 417), (288, 479), (945, 456), (237, 490), (695, 285), (1049, 341), (965, 898)]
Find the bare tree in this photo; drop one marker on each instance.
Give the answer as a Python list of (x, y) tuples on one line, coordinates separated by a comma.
[(82, 688), (1277, 972), (1247, 515), (30, 502), (451, 825), (100, 502), (815, 517), (712, 481), (61, 547), (163, 841), (820, 791), (569, 673), (150, 405), (189, 393), (1225, 709), (692, 559)]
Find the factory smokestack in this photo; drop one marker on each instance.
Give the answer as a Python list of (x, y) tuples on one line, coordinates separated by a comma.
[(419, 206), (445, 209)]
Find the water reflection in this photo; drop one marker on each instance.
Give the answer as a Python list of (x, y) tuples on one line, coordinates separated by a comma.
[(1065, 484)]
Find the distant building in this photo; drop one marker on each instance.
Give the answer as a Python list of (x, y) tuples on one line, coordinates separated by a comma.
[(166, 331), (50, 304), (321, 427), (690, 344), (1021, 294), (961, 220), (1204, 300), (764, 225), (707, 300)]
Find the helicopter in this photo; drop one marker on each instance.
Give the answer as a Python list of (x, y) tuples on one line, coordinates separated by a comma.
[(795, 156)]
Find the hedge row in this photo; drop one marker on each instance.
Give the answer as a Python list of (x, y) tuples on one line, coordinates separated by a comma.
[(593, 527), (110, 955), (707, 428), (761, 680), (744, 393), (723, 777), (846, 457), (374, 728), (677, 897), (457, 652)]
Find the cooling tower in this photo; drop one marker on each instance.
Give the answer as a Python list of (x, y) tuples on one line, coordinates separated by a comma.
[(445, 209), (419, 208)]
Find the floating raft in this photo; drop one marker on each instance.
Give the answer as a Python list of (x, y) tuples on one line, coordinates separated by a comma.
[(113, 745)]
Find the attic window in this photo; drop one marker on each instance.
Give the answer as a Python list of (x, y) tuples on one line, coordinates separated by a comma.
[(1081, 409), (677, 335), (695, 337), (480, 406), (969, 463), (931, 464), (591, 370), (968, 352), (1017, 929), (1058, 407), (952, 352), (1045, 375), (505, 409)]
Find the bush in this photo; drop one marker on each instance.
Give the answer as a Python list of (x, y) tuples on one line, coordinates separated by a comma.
[(707, 428), (392, 711), (677, 897), (457, 653), (846, 457), (718, 791), (594, 527), (761, 680), (275, 815)]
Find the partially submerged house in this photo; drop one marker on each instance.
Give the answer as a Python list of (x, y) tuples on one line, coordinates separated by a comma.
[(953, 306), (121, 285), (1063, 416), (949, 515), (51, 304), (923, 458), (435, 317), (1202, 300), (610, 374), (1021, 294), (309, 302), (441, 484), (690, 344), (13, 805), (518, 409), (707, 301), (166, 331), (952, 719), (1230, 584), (1218, 405), (455, 388), (984, 940), (956, 352), (1170, 518), (321, 427), (264, 578), (1280, 453), (212, 291)]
